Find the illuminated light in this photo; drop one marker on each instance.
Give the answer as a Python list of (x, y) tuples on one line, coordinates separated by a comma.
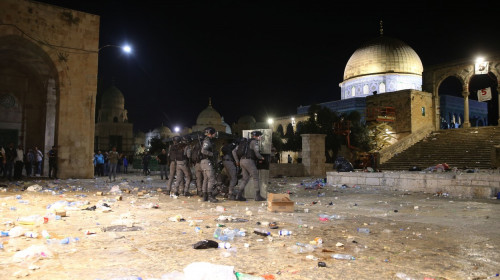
[(177, 129), (480, 59), (127, 49), (270, 121)]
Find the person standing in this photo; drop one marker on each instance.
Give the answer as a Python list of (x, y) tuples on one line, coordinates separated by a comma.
[(248, 167), (19, 162), (181, 168), (125, 164), (196, 161), (2, 161), (230, 166), (162, 161), (113, 157), (289, 159), (146, 158), (53, 162), (99, 162), (171, 164), (39, 160), (30, 162), (207, 166), (10, 155)]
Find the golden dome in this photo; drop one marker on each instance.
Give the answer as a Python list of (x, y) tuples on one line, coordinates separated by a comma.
[(383, 55)]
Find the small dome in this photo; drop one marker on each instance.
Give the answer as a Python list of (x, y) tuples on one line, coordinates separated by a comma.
[(209, 116), (164, 130), (383, 55), (113, 98), (247, 119)]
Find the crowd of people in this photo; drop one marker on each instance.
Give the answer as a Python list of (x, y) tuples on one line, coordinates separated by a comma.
[(190, 159), (15, 162), (185, 160)]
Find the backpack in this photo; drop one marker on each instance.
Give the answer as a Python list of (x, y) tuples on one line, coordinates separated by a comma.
[(196, 153), (243, 147), (228, 149)]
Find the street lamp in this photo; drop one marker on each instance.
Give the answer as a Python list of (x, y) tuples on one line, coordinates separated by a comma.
[(177, 129), (125, 48), (270, 122)]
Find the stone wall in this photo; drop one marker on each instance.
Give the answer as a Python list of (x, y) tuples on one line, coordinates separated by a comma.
[(467, 185), (60, 58), (313, 154)]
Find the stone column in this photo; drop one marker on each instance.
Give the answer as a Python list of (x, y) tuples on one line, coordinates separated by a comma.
[(498, 90), (466, 123), (313, 154)]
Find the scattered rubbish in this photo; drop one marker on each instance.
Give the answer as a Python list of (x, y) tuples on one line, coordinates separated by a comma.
[(342, 165), (34, 188), (273, 225), (261, 232), (342, 257), (122, 228), (321, 264), (205, 244), (230, 219), (300, 248), (285, 232), (277, 202), (34, 252), (403, 276), (364, 230), (326, 217), (244, 276), (208, 271), (313, 184)]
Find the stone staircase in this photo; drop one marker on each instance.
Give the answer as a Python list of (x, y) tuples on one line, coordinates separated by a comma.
[(461, 148)]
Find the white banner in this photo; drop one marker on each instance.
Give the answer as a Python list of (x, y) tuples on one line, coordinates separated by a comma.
[(482, 68), (484, 94)]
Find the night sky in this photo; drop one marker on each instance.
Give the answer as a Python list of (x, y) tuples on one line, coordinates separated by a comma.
[(264, 58)]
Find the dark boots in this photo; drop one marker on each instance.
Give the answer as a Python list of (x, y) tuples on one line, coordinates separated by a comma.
[(240, 197), (187, 194), (258, 197), (205, 196), (212, 198)]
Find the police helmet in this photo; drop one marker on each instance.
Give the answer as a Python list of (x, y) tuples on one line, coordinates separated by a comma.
[(256, 133), (177, 139), (186, 139), (210, 130)]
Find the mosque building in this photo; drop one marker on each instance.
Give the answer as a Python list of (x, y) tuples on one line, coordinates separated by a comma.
[(113, 128)]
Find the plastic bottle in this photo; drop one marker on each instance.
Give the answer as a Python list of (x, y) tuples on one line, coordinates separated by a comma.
[(218, 234), (198, 230), (297, 249), (364, 230), (342, 257), (262, 232), (285, 232), (224, 245), (4, 233), (16, 231), (244, 276), (327, 217)]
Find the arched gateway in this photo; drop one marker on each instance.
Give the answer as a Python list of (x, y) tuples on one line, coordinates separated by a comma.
[(48, 81), (464, 71)]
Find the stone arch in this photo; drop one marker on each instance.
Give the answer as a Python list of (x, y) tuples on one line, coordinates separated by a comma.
[(433, 76), (29, 73)]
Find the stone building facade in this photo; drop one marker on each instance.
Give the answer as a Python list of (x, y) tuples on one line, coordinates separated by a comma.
[(48, 81), (113, 128)]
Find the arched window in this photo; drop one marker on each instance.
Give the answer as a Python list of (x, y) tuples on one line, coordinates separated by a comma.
[(365, 89), (353, 91), (381, 88)]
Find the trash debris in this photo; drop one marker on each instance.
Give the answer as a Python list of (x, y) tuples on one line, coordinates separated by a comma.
[(205, 244)]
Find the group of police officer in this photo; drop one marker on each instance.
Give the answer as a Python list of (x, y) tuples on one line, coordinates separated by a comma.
[(201, 154)]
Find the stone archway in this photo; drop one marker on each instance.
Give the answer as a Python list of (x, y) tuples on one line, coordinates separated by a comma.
[(28, 76), (433, 76), (48, 66)]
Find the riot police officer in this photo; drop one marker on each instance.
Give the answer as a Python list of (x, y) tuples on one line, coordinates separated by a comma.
[(171, 164), (195, 157), (230, 167), (248, 166), (207, 152)]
